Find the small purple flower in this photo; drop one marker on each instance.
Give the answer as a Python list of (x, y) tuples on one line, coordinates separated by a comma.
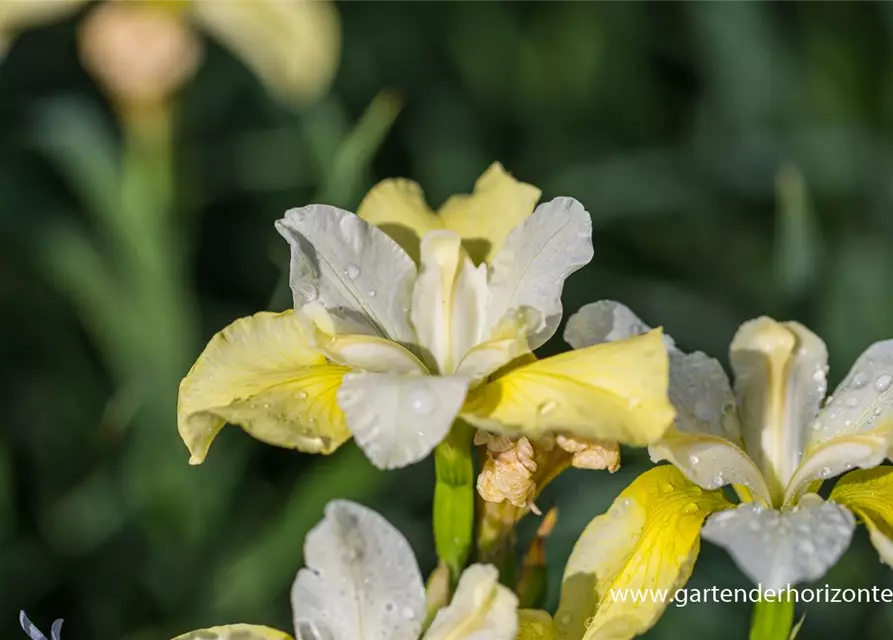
[(34, 633)]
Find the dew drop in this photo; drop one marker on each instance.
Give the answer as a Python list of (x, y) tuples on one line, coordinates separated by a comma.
[(301, 395), (860, 380), (666, 488), (703, 411), (819, 375), (825, 472), (352, 271), (883, 382), (408, 613), (308, 292), (694, 459), (547, 407), (852, 402), (589, 621), (371, 293), (422, 402), (878, 411), (690, 509)]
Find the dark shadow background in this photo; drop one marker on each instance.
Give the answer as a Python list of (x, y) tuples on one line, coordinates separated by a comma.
[(736, 159)]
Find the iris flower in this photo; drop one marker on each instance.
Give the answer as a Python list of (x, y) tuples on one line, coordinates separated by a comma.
[(291, 45), (771, 440), (362, 582), (391, 351)]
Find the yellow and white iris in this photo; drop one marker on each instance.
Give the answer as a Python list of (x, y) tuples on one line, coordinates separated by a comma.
[(362, 582), (770, 439), (391, 352)]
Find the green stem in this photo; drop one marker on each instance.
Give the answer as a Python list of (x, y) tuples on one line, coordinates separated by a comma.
[(772, 620), (454, 498)]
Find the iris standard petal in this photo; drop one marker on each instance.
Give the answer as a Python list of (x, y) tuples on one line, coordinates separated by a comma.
[(353, 269), (449, 301), (869, 494), (480, 608), (855, 427), (236, 632), (362, 581), (535, 260), (648, 539), (397, 206), (261, 374), (615, 391), (780, 382), (777, 548), (484, 218), (399, 419), (604, 321)]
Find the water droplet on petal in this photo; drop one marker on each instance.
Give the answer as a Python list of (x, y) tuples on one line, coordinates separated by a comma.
[(408, 613), (703, 411), (825, 472), (352, 271), (301, 395), (371, 293), (547, 407), (819, 375), (883, 382), (308, 292), (422, 402), (666, 488), (690, 509), (860, 380), (694, 459), (852, 402)]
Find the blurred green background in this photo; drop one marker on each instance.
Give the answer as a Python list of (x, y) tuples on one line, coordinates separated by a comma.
[(736, 159)]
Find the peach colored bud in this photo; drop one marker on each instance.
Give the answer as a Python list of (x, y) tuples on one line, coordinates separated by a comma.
[(139, 53), (591, 454)]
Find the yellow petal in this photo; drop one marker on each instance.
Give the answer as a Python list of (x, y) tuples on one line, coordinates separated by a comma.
[(483, 219), (236, 632), (615, 391), (260, 373), (293, 47), (397, 206), (869, 494), (648, 540), (481, 608), (534, 624)]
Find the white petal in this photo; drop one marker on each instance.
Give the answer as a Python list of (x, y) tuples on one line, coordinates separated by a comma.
[(507, 342), (701, 392), (399, 419), (780, 382), (863, 402), (370, 353), (780, 548), (481, 609), (709, 461), (355, 270), (361, 581), (604, 321), (535, 260), (449, 301), (834, 457)]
